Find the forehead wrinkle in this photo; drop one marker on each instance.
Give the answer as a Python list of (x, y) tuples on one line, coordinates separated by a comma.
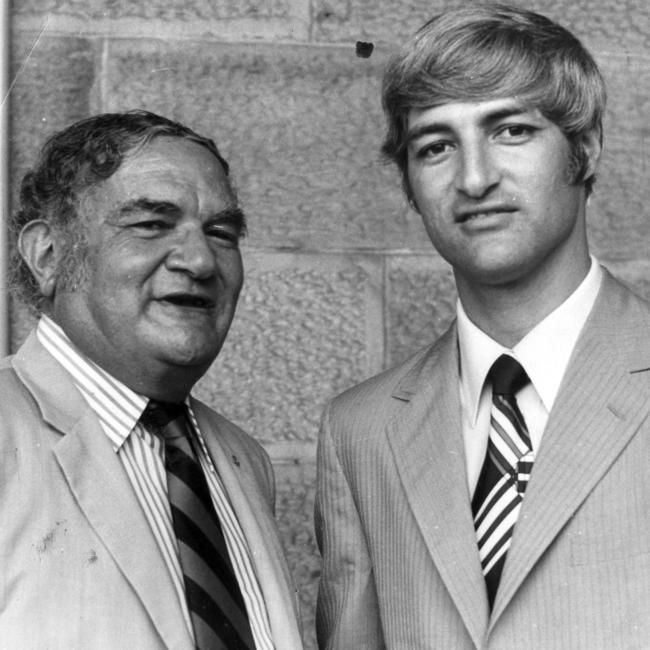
[(155, 180)]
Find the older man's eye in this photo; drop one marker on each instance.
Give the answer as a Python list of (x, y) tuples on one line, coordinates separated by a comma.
[(225, 234), (151, 224)]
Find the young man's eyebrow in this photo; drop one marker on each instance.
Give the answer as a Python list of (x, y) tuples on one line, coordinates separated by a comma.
[(503, 113), (496, 115), (425, 129)]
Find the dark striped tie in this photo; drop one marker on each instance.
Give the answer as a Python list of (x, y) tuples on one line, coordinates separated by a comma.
[(505, 472), (213, 595)]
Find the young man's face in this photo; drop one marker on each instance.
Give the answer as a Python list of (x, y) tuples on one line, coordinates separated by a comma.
[(492, 181)]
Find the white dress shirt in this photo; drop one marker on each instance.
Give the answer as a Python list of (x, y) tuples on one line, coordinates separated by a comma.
[(118, 409), (544, 354)]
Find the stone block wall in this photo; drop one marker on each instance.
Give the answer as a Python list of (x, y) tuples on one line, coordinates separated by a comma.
[(341, 278)]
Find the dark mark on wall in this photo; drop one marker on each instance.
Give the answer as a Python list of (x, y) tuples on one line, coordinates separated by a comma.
[(364, 50)]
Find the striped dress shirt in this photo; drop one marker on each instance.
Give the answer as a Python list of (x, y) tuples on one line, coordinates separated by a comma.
[(544, 354), (118, 409)]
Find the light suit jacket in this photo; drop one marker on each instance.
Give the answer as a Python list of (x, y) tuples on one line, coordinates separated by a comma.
[(401, 566), (79, 566)]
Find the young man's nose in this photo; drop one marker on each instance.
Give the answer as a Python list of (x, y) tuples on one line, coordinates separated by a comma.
[(477, 171)]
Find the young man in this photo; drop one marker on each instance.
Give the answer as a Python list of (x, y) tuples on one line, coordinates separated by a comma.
[(492, 491), (133, 516)]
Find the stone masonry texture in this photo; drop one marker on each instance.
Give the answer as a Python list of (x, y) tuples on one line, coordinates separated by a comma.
[(341, 280), (303, 332)]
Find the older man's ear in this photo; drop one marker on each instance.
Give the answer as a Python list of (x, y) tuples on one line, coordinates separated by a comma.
[(37, 246)]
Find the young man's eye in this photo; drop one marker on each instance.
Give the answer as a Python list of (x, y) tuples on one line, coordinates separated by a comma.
[(517, 130), (514, 131), (432, 149)]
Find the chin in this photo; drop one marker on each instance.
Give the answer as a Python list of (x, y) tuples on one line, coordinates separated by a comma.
[(497, 272), (190, 355), (193, 360)]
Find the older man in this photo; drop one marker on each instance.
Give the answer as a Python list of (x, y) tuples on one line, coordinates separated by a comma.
[(133, 516), (492, 491)]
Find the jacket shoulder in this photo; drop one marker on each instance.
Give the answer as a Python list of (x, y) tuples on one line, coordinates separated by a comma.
[(627, 295), (622, 312), (215, 425), (17, 398), (376, 392)]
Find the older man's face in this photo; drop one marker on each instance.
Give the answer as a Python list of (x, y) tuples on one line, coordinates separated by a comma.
[(163, 266)]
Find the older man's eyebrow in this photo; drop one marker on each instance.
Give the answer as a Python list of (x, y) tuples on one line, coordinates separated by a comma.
[(233, 217), (153, 206)]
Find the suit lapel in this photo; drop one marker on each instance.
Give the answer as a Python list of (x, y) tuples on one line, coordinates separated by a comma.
[(425, 437), (102, 489), (602, 402), (254, 514)]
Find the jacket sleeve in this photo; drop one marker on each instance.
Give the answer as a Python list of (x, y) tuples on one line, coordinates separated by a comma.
[(347, 614)]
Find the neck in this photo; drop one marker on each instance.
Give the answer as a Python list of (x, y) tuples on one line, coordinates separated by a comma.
[(507, 312), (167, 385), (152, 377)]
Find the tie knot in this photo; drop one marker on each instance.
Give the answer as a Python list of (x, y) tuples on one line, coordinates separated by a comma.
[(507, 376), (159, 416)]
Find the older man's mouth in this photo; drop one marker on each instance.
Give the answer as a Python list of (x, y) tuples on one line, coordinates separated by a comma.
[(189, 300)]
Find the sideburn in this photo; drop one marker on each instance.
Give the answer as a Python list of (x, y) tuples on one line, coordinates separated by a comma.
[(72, 269)]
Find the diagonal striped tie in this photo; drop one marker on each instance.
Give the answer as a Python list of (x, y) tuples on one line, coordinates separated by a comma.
[(505, 472), (213, 595)]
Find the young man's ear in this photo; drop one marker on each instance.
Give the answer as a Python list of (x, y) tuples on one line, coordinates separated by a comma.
[(592, 147), (406, 187), (37, 247)]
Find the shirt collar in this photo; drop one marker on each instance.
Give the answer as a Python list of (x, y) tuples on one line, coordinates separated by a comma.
[(544, 352), (117, 406)]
